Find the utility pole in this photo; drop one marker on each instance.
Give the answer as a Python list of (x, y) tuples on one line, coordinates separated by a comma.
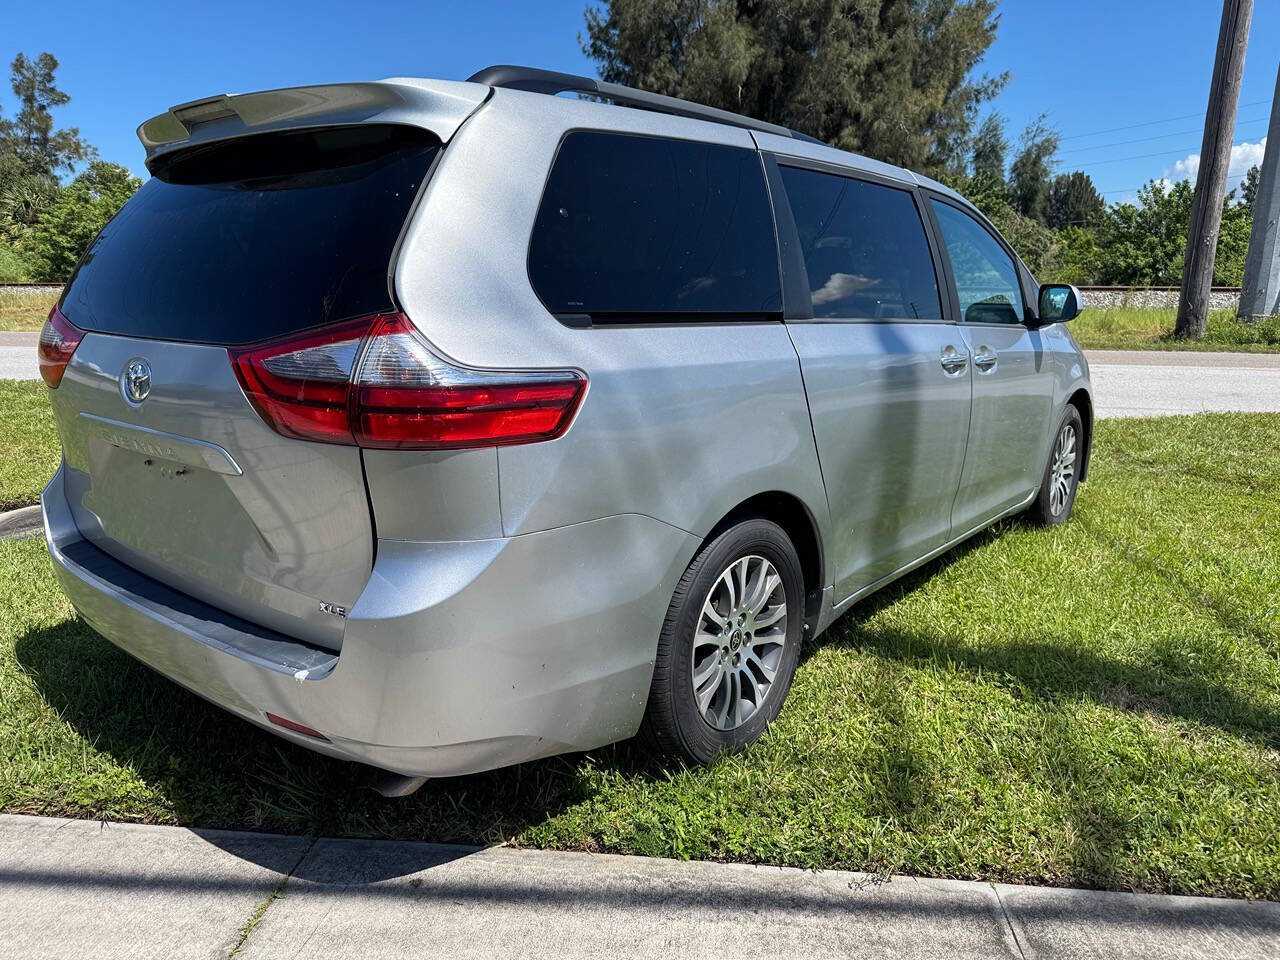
[(1260, 295), (1211, 179)]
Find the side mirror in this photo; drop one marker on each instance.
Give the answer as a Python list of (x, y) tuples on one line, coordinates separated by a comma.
[(1059, 302)]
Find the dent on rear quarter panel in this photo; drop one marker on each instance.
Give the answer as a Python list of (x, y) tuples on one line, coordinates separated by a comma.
[(434, 494)]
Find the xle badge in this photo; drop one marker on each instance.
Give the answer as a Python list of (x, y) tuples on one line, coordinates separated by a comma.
[(332, 609)]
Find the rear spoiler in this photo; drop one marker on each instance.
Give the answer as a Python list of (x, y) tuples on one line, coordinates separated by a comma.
[(436, 105)]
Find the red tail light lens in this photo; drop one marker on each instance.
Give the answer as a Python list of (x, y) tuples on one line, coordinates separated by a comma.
[(58, 341), (301, 385), (407, 397), (377, 383)]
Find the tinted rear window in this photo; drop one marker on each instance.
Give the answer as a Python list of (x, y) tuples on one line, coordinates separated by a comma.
[(634, 226), (253, 238), (864, 248)]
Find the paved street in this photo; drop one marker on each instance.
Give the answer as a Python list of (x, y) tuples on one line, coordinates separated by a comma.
[(88, 889), (1152, 383), (18, 356), (1127, 383)]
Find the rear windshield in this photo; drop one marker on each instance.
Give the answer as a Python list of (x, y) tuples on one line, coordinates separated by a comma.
[(636, 228), (254, 238)]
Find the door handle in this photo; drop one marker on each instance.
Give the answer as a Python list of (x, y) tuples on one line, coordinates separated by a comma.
[(985, 359), (953, 362)]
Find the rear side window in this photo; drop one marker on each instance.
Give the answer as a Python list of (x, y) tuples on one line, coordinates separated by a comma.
[(864, 248), (634, 227), (249, 239)]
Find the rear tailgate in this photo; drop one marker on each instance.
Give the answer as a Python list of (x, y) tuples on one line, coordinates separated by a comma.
[(233, 242)]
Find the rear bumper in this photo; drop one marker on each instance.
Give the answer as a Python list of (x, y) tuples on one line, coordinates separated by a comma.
[(458, 656)]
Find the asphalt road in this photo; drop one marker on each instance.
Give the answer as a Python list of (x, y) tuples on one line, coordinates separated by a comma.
[(1131, 383), (1127, 383), (18, 356), (89, 889)]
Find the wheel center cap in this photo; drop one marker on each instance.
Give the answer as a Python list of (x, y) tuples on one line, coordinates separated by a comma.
[(736, 640)]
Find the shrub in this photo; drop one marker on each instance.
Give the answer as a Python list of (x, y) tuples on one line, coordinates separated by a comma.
[(13, 266), (1079, 257), (81, 210)]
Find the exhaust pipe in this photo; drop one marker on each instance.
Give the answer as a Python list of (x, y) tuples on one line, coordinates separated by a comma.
[(394, 785)]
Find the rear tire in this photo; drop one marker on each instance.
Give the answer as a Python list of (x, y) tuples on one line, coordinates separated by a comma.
[(728, 647), (1061, 478)]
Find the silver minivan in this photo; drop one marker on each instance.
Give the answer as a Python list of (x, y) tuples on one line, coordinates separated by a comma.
[(442, 426)]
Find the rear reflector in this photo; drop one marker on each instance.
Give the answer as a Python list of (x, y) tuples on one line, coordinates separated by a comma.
[(296, 727), (377, 383), (58, 341)]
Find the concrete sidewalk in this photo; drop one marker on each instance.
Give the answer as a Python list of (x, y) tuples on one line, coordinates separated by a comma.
[(85, 889)]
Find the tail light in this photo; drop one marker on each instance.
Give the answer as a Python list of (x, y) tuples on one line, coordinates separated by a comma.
[(377, 383), (58, 341)]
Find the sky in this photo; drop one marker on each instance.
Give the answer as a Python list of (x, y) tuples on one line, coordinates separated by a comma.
[(1125, 82)]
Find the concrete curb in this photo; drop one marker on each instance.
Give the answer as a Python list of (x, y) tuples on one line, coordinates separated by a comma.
[(22, 522), (85, 888)]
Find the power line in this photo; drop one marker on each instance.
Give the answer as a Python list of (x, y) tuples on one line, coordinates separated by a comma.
[(1140, 156), (1163, 136), (1230, 174), (1150, 123)]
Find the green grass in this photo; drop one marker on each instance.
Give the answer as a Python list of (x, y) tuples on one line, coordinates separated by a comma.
[(24, 309), (1117, 328), (28, 442), (1097, 704)]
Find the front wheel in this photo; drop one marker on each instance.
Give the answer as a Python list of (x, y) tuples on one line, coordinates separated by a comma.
[(1061, 479), (729, 644)]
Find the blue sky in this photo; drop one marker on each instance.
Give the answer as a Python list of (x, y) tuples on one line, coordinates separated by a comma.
[(1104, 72)]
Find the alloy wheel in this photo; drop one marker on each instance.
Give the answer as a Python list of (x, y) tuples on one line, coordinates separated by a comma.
[(1063, 470), (738, 642)]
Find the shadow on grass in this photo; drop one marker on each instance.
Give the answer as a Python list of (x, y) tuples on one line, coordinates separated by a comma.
[(208, 768), (204, 767), (1050, 669)]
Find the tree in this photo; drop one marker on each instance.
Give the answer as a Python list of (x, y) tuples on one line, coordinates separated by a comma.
[(30, 136), (1079, 257), (1145, 244), (13, 268), (76, 217), (1073, 201), (989, 149), (983, 192), (893, 79), (23, 199), (1029, 174), (1233, 242), (1249, 186), (1146, 241)]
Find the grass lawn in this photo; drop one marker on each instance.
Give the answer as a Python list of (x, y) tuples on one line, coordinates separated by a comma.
[(28, 442), (1094, 705), (23, 309), (1130, 329)]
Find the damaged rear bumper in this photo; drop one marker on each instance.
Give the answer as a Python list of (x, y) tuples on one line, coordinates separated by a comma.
[(458, 656)]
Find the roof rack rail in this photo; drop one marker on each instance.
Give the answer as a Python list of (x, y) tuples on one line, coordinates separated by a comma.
[(551, 82)]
